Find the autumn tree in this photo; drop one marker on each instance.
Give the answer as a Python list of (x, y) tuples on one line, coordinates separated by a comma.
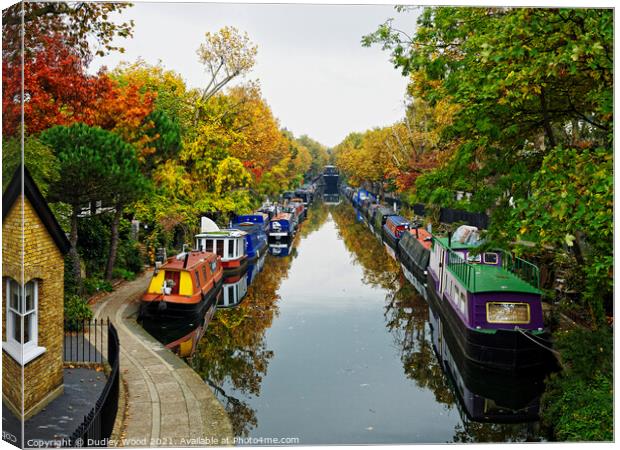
[(57, 89), (226, 55), (531, 85), (87, 27)]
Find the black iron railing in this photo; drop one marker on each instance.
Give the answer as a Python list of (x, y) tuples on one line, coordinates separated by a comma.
[(88, 344)]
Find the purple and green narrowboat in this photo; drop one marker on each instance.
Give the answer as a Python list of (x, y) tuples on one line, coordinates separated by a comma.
[(492, 303)]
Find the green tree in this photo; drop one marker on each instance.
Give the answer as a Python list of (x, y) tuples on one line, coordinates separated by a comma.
[(38, 158), (92, 163)]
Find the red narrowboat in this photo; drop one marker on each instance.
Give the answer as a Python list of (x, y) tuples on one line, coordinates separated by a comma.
[(186, 284)]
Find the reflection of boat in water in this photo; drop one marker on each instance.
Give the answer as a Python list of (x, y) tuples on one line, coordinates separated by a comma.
[(331, 199), (255, 267), (185, 285), (234, 290), (486, 396), (284, 249), (181, 335), (491, 302)]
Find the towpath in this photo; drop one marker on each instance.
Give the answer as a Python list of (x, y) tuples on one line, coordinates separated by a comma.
[(168, 403)]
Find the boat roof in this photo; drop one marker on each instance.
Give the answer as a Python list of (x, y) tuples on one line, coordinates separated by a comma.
[(454, 245), (195, 258), (228, 233), (250, 227), (384, 210), (489, 278), (423, 236), (398, 220), (282, 215)]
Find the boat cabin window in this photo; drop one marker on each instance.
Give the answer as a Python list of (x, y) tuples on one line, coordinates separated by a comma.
[(490, 258), (474, 258), (197, 278), (231, 248), (219, 247), (204, 272), (507, 312), (172, 281), (213, 266)]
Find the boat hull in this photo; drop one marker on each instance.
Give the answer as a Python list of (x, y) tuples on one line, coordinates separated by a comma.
[(173, 310), (502, 350)]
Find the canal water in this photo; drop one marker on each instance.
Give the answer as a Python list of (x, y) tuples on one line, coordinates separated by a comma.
[(332, 345)]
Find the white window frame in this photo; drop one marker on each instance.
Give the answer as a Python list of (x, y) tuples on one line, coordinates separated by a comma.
[(22, 353)]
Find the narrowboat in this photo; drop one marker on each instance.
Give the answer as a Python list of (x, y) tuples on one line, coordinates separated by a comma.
[(381, 215), (185, 285), (281, 228), (255, 239), (288, 195), (414, 252), (229, 245), (486, 396), (394, 228), (330, 180), (305, 194), (234, 290), (260, 218), (491, 301), (297, 208), (271, 210)]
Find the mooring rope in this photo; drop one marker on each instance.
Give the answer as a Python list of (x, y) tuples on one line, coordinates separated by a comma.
[(524, 333)]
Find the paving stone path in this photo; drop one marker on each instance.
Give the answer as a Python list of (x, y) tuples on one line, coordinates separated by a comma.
[(168, 403)]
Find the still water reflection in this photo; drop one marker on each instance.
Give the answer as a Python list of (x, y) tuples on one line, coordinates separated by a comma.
[(332, 345)]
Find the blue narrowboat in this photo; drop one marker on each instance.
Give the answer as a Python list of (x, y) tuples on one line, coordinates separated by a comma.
[(281, 228), (255, 239), (259, 217)]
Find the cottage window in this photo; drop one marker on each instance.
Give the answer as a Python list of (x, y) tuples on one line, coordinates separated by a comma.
[(21, 321)]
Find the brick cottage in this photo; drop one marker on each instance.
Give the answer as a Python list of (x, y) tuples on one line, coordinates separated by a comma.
[(33, 249)]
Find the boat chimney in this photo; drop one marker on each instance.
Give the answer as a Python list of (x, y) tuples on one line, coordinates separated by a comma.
[(417, 236), (449, 239), (185, 260)]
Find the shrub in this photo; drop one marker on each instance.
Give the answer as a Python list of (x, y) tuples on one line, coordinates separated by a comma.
[(76, 311), (130, 256), (578, 402), (124, 274), (93, 285)]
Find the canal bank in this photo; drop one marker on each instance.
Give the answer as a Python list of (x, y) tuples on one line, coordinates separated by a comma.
[(168, 404)]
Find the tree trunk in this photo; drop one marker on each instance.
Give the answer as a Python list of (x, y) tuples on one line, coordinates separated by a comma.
[(113, 241), (546, 120), (75, 257)]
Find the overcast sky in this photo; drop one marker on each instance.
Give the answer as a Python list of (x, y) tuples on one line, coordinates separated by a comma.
[(313, 71)]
